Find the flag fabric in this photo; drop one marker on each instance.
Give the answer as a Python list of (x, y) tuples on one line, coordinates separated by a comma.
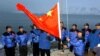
[(47, 22)]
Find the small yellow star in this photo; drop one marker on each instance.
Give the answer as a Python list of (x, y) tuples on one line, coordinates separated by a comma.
[(49, 13), (40, 19)]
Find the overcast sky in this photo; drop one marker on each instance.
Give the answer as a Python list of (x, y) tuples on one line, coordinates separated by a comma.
[(42, 6)]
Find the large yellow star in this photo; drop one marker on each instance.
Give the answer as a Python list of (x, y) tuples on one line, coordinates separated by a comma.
[(49, 13)]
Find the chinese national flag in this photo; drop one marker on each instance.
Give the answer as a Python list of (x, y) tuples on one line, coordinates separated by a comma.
[(47, 22)]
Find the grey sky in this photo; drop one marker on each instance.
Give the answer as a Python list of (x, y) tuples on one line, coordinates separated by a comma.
[(42, 6)]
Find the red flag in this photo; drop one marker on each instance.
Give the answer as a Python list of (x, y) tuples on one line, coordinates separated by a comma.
[(47, 22)]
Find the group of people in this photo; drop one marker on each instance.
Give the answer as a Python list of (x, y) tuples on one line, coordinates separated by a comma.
[(82, 43), (85, 42), (39, 39)]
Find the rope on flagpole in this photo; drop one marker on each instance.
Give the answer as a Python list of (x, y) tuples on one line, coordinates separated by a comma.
[(67, 17), (68, 29), (67, 22)]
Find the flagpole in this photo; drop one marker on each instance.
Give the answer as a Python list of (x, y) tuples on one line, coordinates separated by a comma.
[(59, 25), (59, 19)]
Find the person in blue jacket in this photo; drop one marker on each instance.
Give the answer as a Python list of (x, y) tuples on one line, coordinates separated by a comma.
[(64, 35), (34, 35), (1, 47), (22, 40), (97, 48), (45, 43), (94, 39), (8, 40), (72, 35), (86, 32), (78, 45)]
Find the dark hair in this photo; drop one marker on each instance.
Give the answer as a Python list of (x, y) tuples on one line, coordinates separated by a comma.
[(98, 24), (42, 31), (74, 25), (79, 31), (32, 26), (83, 39), (8, 27), (20, 27), (61, 22), (86, 24)]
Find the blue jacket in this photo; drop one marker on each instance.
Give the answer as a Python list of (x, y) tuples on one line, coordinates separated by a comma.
[(86, 33), (86, 37), (79, 46), (34, 35), (44, 41), (72, 36), (22, 38), (64, 34), (94, 39), (8, 39)]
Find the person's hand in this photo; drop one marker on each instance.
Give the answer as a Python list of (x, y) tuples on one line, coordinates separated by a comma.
[(65, 46), (98, 45), (61, 43), (99, 35), (48, 34), (20, 6), (87, 32), (68, 39)]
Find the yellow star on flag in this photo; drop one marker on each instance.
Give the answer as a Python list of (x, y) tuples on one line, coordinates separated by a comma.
[(49, 13), (40, 19)]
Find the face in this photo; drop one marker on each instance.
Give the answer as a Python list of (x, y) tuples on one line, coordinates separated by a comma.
[(21, 29), (61, 24), (97, 27), (9, 29), (35, 27), (80, 34), (74, 27), (86, 27)]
